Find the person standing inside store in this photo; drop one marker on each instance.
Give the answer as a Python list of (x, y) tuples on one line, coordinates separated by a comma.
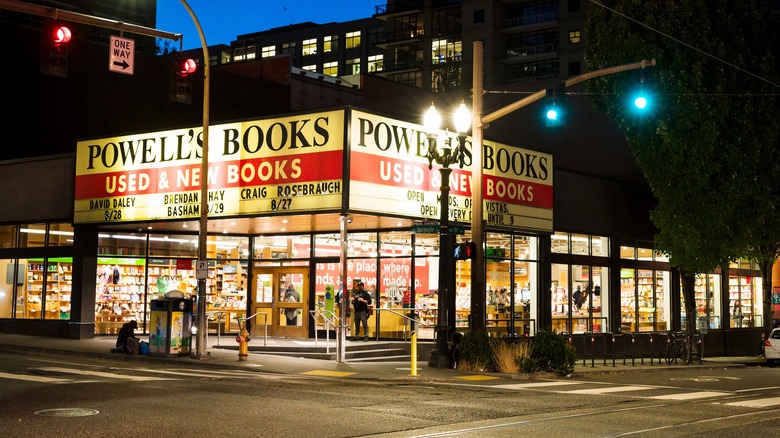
[(576, 298), (291, 296), (360, 302), (736, 313)]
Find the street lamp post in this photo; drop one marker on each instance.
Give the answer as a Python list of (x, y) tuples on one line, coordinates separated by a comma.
[(442, 152)]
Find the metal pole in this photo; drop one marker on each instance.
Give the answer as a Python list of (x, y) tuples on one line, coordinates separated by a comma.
[(341, 354), (204, 190), (440, 355), (477, 232)]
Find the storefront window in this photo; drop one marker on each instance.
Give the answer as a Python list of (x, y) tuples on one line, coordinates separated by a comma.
[(327, 245), (60, 234), (745, 301), (560, 243), (627, 252), (119, 292), (32, 235), (707, 294), (599, 246), (396, 243), (644, 300), (13, 276), (362, 245), (285, 247), (580, 244), (122, 244), (8, 236), (628, 318)]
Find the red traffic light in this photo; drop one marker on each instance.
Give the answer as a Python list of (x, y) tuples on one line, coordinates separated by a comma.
[(186, 67), (60, 35)]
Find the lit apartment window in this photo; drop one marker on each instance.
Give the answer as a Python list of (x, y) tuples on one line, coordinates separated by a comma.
[(269, 51), (330, 68), (376, 63), (239, 54), (310, 47), (353, 66), (251, 52), (574, 37), (353, 39), (330, 43), (311, 68), (444, 50)]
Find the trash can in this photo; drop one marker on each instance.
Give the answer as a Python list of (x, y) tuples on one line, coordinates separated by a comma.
[(169, 330)]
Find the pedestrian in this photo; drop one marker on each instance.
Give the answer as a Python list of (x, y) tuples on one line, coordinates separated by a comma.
[(360, 302), (291, 296), (455, 350), (126, 342)]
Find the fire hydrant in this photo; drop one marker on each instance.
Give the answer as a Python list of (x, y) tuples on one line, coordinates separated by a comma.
[(243, 344)]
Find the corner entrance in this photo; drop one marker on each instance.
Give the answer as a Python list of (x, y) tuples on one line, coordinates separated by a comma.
[(281, 301)]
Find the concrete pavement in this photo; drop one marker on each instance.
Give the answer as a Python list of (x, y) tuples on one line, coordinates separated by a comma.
[(225, 355)]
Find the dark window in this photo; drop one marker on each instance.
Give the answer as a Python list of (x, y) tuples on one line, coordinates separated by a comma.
[(574, 5), (479, 16), (574, 68)]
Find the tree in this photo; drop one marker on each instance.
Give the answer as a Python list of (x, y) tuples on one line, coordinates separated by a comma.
[(707, 147)]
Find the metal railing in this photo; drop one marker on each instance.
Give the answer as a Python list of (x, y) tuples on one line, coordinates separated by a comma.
[(401, 312), (330, 319), (265, 324)]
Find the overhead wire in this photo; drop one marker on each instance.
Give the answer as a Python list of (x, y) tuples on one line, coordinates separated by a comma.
[(684, 43)]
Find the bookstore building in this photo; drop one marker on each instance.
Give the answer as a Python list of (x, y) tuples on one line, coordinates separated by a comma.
[(99, 235)]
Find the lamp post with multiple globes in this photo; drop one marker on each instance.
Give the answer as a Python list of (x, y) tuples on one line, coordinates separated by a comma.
[(441, 151)]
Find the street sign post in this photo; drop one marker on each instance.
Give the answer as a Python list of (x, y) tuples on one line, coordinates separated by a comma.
[(121, 55)]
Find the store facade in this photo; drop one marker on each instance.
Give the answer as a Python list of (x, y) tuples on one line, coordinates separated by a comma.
[(278, 190)]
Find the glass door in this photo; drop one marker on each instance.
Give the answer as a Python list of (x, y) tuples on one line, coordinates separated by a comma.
[(281, 302)]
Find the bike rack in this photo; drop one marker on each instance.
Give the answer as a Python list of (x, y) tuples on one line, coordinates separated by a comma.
[(585, 353), (651, 347), (609, 340), (633, 349)]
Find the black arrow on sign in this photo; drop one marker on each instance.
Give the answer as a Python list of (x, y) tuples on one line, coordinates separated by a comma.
[(124, 64)]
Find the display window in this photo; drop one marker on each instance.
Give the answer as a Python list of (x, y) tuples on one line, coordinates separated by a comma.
[(644, 300), (707, 293), (579, 298), (9, 282), (745, 301)]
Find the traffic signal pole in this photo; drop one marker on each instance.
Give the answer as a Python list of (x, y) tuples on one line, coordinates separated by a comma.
[(200, 323), (75, 17), (479, 124)]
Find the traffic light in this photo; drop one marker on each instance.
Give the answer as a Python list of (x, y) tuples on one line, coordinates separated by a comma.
[(181, 88), (465, 251), (555, 108), (641, 101), (55, 39)]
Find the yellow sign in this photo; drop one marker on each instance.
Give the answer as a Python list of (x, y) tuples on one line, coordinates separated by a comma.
[(288, 164)]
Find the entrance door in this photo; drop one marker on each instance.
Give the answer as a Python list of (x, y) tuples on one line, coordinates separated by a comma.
[(281, 301)]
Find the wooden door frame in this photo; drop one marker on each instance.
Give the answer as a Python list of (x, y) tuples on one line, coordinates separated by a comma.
[(273, 311)]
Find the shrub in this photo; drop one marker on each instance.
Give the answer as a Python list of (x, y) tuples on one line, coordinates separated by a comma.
[(550, 352), (508, 356), (475, 352)]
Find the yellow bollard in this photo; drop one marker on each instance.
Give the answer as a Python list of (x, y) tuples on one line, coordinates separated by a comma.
[(413, 372)]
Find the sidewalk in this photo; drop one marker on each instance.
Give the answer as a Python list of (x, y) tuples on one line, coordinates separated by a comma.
[(226, 356)]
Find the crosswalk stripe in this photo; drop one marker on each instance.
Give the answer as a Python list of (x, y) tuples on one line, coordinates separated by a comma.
[(757, 403), (608, 389), (100, 374), (690, 395), (29, 378), (535, 385)]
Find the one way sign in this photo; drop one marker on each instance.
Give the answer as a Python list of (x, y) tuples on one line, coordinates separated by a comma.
[(121, 55)]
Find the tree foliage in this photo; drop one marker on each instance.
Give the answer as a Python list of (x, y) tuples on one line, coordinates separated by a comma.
[(708, 146)]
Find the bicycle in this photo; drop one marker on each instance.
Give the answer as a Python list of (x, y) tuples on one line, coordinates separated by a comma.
[(677, 347)]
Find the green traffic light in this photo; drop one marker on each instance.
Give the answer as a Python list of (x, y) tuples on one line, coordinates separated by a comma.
[(552, 114), (640, 102)]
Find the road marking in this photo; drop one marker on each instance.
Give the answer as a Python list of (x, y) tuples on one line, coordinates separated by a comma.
[(326, 373), (194, 373), (690, 395), (758, 403), (607, 390), (100, 374), (478, 377), (29, 378), (535, 385)]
